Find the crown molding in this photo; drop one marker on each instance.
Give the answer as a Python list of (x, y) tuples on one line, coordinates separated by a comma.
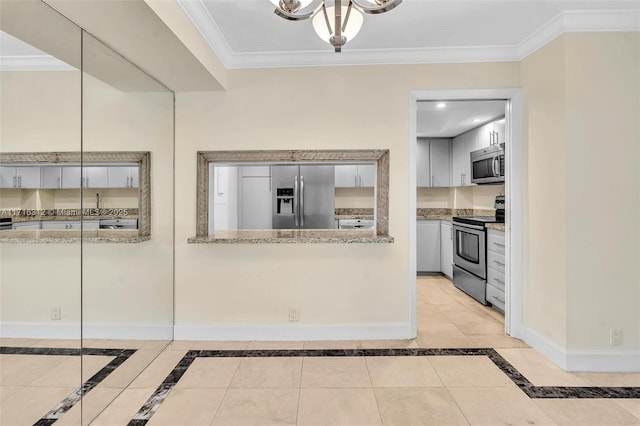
[(33, 63), (578, 21), (568, 21)]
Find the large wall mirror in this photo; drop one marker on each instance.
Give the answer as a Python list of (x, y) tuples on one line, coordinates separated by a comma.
[(40, 284), (87, 141)]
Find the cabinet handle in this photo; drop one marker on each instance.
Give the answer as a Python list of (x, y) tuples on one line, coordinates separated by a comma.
[(360, 181), (19, 181), (59, 182), (498, 244), (355, 181), (128, 186), (498, 299), (15, 182), (87, 180), (499, 263), (432, 181), (451, 233)]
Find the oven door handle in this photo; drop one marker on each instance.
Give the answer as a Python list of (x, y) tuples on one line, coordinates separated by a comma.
[(467, 225)]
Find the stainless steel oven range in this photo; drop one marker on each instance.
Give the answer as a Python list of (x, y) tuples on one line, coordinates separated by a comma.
[(470, 251)]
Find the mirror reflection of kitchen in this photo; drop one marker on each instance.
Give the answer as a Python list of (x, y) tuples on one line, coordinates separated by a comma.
[(291, 196), (47, 196)]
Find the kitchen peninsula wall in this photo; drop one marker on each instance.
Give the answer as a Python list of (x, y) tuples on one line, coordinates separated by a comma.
[(362, 198), (67, 198)]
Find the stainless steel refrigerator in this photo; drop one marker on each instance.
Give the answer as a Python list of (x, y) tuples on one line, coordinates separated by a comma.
[(303, 197)]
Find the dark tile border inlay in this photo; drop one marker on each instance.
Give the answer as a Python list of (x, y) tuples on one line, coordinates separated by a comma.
[(121, 355), (157, 398)]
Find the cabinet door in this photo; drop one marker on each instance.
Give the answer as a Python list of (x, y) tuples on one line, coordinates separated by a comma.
[(366, 175), (119, 177), (8, 177), (96, 177), (484, 135), (256, 171), (470, 144), (28, 177), (346, 176), (71, 178), (446, 249), (51, 177), (457, 156), (423, 172), (428, 245), (440, 162), (256, 203)]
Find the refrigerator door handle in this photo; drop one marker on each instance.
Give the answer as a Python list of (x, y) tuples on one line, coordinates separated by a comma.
[(295, 200), (301, 201)]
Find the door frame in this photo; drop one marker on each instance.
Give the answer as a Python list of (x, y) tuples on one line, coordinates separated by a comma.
[(515, 192)]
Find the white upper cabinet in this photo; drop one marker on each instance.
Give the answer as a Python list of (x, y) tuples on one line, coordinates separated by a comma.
[(71, 177), (51, 177), (96, 177), (440, 159), (433, 163), (123, 177), (26, 177), (92, 177), (423, 170), (355, 176), (485, 136), (367, 175), (461, 162)]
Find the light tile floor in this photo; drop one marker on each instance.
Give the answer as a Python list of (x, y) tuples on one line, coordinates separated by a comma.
[(350, 391)]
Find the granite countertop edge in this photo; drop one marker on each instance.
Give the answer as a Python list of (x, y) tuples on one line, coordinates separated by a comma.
[(71, 240), (381, 239), (496, 226)]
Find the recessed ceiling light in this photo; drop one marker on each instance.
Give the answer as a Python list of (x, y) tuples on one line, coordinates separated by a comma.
[(441, 105), (476, 120)]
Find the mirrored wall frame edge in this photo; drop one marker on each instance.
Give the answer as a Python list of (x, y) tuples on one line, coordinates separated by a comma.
[(379, 156), (142, 158)]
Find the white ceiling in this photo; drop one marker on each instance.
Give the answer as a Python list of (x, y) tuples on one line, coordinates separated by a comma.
[(456, 117), (246, 33)]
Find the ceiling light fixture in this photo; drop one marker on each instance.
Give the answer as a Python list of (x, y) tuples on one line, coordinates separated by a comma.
[(441, 105), (476, 120), (335, 24)]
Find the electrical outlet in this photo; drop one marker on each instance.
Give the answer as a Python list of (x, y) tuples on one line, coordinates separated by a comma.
[(615, 336), (293, 314), (56, 313)]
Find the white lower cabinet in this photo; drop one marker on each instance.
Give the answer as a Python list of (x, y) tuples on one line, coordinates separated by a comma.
[(428, 246), (446, 248), (496, 268), (32, 224), (70, 224)]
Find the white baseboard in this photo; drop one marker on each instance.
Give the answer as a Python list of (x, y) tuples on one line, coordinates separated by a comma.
[(604, 360), (71, 330), (40, 330), (293, 332)]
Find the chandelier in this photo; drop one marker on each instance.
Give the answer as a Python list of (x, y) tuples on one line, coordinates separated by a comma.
[(335, 24)]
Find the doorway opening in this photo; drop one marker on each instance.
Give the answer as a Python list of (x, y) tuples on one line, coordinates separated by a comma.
[(445, 128)]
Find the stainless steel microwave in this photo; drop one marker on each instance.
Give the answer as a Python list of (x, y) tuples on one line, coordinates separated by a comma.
[(487, 165)]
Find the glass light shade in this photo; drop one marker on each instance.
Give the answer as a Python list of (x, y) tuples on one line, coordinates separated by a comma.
[(353, 24), (303, 3)]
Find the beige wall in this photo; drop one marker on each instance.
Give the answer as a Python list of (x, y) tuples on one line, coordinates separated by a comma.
[(582, 274), (351, 284), (603, 176), (545, 273)]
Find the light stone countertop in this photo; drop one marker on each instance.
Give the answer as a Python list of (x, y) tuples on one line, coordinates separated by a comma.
[(496, 226), (292, 236), (52, 236)]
